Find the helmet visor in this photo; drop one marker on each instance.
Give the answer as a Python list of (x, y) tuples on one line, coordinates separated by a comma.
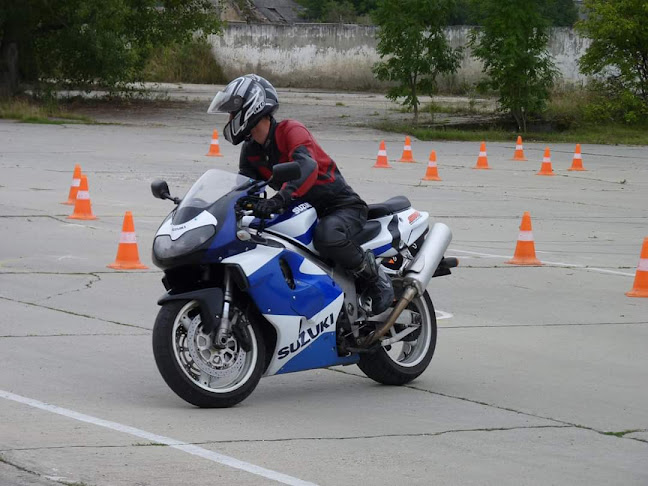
[(225, 102)]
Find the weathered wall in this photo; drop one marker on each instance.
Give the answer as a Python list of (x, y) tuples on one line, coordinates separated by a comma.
[(340, 56)]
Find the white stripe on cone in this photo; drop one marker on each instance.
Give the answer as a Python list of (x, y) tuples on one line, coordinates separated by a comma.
[(127, 238), (482, 154), (525, 236), (518, 147), (643, 265), (432, 164), (407, 147), (382, 152), (76, 182), (83, 195), (546, 160), (578, 156), (214, 142)]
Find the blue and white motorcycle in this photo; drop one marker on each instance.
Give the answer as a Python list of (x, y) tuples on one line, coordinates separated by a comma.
[(248, 298)]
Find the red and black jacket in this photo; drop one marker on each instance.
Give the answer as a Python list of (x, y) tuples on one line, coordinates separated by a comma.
[(321, 184)]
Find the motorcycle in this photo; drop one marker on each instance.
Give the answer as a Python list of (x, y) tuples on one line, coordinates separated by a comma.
[(249, 297)]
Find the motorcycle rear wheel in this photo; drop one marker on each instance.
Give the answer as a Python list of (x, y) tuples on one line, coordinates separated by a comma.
[(194, 369), (406, 360)]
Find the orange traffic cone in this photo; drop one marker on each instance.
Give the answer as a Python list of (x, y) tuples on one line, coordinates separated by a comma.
[(640, 287), (407, 152), (577, 163), (482, 160), (214, 147), (545, 169), (525, 249), (74, 188), (127, 254), (381, 161), (432, 173), (82, 205), (519, 150)]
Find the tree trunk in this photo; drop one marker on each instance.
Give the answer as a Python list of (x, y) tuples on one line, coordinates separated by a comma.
[(9, 79), (414, 101)]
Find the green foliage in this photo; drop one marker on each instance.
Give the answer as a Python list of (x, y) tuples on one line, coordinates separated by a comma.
[(346, 11), (619, 53), (82, 42), (191, 62), (413, 47), (512, 44)]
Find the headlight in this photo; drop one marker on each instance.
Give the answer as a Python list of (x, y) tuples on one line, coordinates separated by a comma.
[(164, 247)]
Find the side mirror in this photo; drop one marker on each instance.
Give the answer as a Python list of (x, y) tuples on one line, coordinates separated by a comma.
[(160, 189), (287, 171)]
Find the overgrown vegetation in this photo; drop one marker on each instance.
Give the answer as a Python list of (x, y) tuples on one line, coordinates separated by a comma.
[(560, 13), (190, 62), (30, 111), (85, 43), (618, 55), (413, 47)]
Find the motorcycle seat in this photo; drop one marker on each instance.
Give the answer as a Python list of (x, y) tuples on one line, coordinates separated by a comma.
[(390, 206), (369, 232)]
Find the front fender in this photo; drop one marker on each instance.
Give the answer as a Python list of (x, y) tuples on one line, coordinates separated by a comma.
[(210, 301)]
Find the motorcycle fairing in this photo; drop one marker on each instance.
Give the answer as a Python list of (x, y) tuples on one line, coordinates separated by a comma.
[(304, 316), (397, 231), (297, 223)]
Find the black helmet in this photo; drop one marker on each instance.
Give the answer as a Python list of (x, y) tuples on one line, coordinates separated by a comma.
[(247, 99)]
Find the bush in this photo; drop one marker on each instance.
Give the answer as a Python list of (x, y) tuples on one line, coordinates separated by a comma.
[(192, 62)]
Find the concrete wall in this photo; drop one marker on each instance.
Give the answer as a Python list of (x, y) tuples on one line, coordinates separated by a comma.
[(340, 56)]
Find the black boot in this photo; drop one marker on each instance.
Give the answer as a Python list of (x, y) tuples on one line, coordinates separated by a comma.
[(377, 284)]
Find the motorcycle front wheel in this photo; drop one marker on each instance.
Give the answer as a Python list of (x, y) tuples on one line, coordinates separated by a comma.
[(403, 361), (194, 368)]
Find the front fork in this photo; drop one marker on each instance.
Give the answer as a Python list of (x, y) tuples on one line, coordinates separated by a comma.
[(224, 331)]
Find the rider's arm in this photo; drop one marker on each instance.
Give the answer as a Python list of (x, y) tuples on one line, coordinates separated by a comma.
[(246, 166), (298, 142)]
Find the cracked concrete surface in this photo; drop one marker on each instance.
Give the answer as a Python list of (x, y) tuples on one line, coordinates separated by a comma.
[(539, 376)]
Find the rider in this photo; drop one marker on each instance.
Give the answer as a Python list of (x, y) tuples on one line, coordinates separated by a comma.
[(251, 102)]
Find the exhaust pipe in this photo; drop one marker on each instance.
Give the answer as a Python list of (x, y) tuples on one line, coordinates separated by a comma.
[(418, 274), (420, 271)]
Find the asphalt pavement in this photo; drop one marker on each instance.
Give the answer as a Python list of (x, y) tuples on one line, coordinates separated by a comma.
[(539, 375)]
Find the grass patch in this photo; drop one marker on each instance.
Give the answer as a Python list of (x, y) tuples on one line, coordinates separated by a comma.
[(29, 111), (607, 134), (192, 62), (339, 103), (623, 433)]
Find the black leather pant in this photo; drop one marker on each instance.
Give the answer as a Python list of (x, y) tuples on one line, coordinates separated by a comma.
[(332, 238)]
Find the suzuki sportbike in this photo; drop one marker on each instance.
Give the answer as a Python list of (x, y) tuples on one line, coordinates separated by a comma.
[(249, 297)]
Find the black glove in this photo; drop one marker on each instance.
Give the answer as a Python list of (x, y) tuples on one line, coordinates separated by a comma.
[(265, 207)]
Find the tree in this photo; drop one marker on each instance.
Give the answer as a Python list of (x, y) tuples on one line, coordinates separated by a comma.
[(560, 13), (336, 10), (82, 42), (413, 45), (512, 44), (619, 48)]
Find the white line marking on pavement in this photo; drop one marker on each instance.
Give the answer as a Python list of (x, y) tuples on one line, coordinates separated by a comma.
[(176, 444), (442, 314), (557, 264)]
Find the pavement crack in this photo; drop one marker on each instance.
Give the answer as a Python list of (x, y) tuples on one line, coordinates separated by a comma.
[(77, 314), (507, 326), (97, 334), (29, 471), (506, 409), (293, 439), (94, 278)]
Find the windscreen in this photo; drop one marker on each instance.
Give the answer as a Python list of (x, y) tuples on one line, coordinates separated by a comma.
[(211, 186)]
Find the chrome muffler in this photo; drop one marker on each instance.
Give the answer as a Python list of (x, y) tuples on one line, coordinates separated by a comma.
[(418, 274)]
